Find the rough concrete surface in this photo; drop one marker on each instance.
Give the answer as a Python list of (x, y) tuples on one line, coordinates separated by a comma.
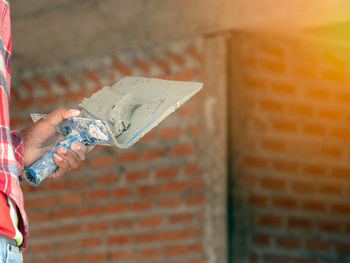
[(78, 27)]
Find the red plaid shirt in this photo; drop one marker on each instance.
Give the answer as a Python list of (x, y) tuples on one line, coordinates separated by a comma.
[(11, 144)]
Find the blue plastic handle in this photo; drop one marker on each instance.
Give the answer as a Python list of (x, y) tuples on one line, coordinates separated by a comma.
[(41, 168)]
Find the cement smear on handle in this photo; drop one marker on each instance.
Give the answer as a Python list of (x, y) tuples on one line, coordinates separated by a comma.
[(134, 105)]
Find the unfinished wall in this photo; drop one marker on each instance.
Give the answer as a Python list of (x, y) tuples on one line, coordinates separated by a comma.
[(152, 203), (290, 123)]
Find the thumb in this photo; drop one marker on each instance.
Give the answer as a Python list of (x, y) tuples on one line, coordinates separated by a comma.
[(58, 115)]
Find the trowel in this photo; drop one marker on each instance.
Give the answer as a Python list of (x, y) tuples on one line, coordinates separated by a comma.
[(119, 116)]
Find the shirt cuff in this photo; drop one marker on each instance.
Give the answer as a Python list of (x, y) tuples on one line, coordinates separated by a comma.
[(18, 149)]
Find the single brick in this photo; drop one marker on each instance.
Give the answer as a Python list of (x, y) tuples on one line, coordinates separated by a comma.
[(167, 172), (273, 183), (163, 64), (120, 255), (273, 144), (314, 129), (314, 169), (123, 223), (301, 109), (127, 157), (169, 132), (331, 114), (318, 245), (106, 178), (47, 201), (337, 75), (273, 66), (24, 103), (96, 194), (271, 49), (283, 88), (62, 80), (123, 68), (185, 75), (180, 218), (28, 86), (254, 82), (342, 248), (299, 223), (284, 202), (255, 162), (289, 126), (101, 161), (271, 105), (97, 226), (70, 198), (330, 227), (143, 66), (195, 199), (174, 186), (135, 175), (139, 205), (119, 239), (342, 173), (178, 59), (300, 186), (150, 221), (186, 110), (262, 239), (270, 220), (331, 189), (193, 52), (151, 154), (285, 166), (148, 189), (168, 201), (331, 151), (341, 133), (258, 199), (316, 93), (93, 75), (288, 242), (91, 242), (96, 256), (341, 208), (182, 149), (63, 213), (89, 210), (314, 205)]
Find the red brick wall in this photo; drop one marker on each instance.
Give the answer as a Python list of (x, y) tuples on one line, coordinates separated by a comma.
[(144, 204), (291, 149)]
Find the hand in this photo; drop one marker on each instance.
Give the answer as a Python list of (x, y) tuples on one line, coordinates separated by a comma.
[(42, 136)]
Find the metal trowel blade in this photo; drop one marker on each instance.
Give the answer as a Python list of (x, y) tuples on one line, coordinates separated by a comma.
[(157, 98)]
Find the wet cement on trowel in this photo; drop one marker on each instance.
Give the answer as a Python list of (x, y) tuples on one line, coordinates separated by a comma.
[(135, 105)]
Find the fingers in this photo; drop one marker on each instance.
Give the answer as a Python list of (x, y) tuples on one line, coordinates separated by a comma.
[(80, 150), (55, 117), (62, 164), (67, 159)]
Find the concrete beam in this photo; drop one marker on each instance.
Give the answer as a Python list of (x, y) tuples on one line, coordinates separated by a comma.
[(49, 31)]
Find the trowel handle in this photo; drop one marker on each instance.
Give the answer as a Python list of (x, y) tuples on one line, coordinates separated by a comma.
[(45, 165)]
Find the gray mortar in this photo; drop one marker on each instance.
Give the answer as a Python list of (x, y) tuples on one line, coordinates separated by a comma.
[(135, 105)]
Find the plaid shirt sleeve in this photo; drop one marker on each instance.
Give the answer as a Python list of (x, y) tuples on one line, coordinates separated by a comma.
[(11, 144), (18, 149)]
